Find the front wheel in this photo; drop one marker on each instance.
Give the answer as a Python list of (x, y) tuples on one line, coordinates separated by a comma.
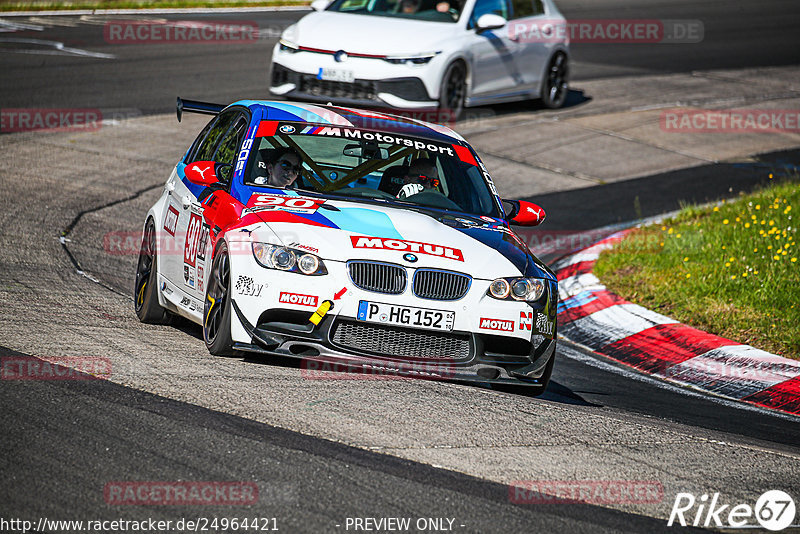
[(217, 307), (555, 85), (453, 91), (145, 291)]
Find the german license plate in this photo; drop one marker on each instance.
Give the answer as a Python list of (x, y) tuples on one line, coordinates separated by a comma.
[(336, 75), (376, 312)]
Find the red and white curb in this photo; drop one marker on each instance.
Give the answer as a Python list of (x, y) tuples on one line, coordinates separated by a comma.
[(592, 316)]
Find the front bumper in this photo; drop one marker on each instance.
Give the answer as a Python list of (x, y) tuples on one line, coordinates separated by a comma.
[(391, 90), (342, 343)]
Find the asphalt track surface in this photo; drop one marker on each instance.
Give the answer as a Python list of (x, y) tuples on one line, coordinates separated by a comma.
[(145, 78), (322, 451)]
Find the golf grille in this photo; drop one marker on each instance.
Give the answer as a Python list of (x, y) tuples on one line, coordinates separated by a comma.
[(440, 285), (400, 342), (378, 277)]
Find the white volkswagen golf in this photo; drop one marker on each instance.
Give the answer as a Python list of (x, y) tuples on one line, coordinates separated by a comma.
[(424, 54)]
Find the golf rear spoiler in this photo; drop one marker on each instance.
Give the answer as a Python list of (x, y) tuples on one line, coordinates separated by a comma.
[(197, 107)]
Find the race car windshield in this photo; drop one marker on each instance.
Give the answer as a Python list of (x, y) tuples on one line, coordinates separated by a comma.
[(433, 10), (377, 166)]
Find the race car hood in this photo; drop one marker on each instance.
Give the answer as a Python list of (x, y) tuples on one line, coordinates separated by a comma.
[(372, 35), (342, 230)]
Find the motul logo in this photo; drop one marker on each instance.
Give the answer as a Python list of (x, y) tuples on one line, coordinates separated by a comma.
[(300, 300), (407, 246), (497, 324)]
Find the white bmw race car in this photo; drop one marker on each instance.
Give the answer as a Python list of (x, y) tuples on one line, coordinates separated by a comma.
[(361, 260)]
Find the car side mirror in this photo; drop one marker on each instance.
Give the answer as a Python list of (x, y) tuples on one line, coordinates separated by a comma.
[(490, 21), (205, 172), (319, 5), (523, 213)]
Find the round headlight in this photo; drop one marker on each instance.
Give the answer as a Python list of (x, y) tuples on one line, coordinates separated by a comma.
[(520, 289), (499, 289), (283, 258), (308, 264)]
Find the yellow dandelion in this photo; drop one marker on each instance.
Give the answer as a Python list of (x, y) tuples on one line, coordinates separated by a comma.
[(787, 210), (744, 274), (755, 250), (678, 236), (783, 253), (733, 277), (747, 225), (769, 247), (738, 219), (716, 208), (686, 258), (753, 217), (670, 231), (776, 257), (663, 228), (661, 244), (727, 264), (758, 206), (725, 221), (772, 223), (723, 247), (794, 260), (770, 176), (732, 259), (763, 221), (755, 272), (688, 275)]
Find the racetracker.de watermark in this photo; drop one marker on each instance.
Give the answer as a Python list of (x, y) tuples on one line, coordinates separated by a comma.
[(607, 31), (181, 493), (14, 120), (55, 368), (324, 370), (730, 121), (585, 492), (126, 32)]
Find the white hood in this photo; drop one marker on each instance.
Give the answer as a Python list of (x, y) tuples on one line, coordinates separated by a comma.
[(390, 233), (367, 34)]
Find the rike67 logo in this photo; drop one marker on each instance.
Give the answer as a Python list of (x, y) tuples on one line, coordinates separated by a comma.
[(773, 510)]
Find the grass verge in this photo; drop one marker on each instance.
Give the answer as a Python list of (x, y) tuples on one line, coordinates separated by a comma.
[(45, 5), (731, 270)]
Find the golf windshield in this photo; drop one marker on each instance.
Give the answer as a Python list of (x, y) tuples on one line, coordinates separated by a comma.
[(372, 165), (435, 10)]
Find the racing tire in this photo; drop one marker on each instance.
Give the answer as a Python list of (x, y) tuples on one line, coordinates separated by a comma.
[(555, 85), (145, 286), (453, 91), (217, 305)]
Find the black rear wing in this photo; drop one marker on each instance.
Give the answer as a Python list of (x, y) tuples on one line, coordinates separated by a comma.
[(194, 106)]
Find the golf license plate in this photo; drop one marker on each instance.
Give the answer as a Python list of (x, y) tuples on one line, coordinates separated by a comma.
[(336, 75), (376, 312)]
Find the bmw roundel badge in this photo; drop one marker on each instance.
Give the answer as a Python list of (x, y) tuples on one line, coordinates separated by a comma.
[(287, 129), (340, 56), (409, 257)]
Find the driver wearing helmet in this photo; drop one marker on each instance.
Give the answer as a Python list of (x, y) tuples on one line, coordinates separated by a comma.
[(422, 175)]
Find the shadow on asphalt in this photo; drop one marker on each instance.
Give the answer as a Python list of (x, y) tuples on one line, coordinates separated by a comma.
[(602, 205)]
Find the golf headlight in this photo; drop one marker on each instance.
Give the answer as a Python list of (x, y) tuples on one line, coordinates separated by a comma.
[(420, 59), (288, 46), (527, 289), (288, 259)]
